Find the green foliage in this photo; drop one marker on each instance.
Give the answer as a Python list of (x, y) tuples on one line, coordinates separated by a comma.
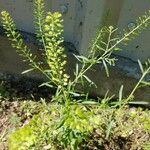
[(70, 123), (71, 127), (39, 15), (55, 56), (26, 137), (15, 37), (63, 128), (105, 42), (49, 30), (76, 124), (145, 70), (147, 146)]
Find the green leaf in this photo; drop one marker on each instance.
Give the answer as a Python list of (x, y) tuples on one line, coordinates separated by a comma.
[(29, 70), (109, 128), (89, 103), (106, 68), (146, 83), (141, 66), (87, 78), (47, 84), (74, 94), (120, 93), (77, 70)]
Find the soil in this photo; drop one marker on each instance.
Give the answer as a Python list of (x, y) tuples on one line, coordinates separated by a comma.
[(19, 101)]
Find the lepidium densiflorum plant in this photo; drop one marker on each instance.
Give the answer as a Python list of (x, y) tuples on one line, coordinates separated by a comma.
[(52, 39), (49, 32)]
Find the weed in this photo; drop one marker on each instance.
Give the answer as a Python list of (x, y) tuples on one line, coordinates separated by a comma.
[(70, 123)]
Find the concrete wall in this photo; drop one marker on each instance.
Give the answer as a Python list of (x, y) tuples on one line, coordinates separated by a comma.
[(81, 19)]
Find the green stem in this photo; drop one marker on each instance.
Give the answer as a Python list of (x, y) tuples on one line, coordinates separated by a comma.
[(137, 85), (128, 34)]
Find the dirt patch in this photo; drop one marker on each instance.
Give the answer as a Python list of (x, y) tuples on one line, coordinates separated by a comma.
[(19, 102)]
